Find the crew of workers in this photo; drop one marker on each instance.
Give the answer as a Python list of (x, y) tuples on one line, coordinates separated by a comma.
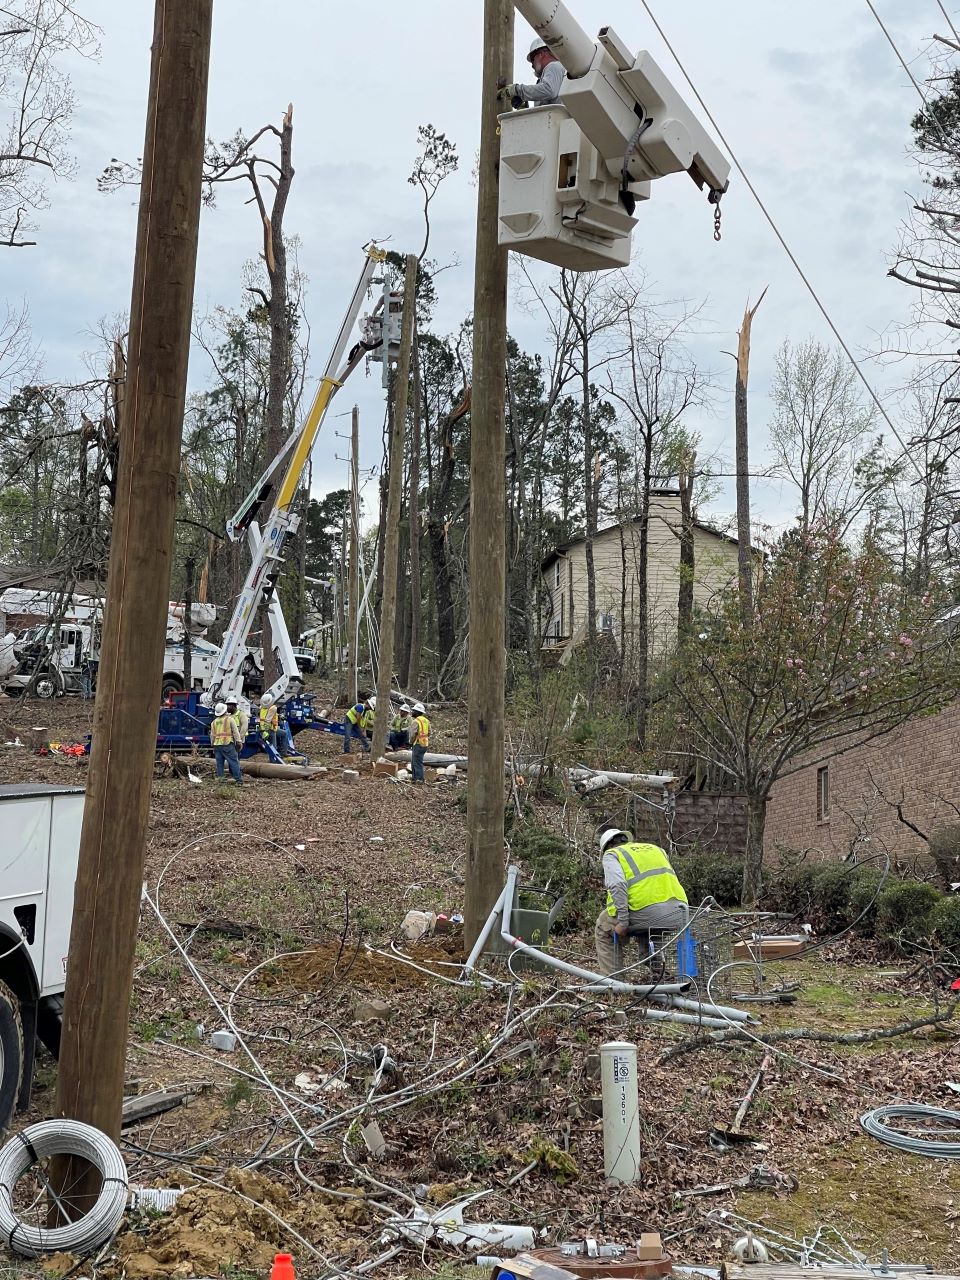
[(645, 899), (550, 77), (408, 727)]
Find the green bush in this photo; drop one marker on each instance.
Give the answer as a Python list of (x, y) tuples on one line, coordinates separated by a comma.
[(863, 900), (790, 889), (946, 924), (552, 863), (713, 875), (905, 911)]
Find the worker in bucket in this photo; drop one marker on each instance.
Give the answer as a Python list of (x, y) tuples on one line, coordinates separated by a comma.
[(226, 742), (419, 733), (550, 77), (643, 894), (399, 736), (353, 727), (268, 720)]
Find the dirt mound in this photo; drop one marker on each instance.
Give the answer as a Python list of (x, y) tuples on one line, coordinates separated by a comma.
[(377, 970), (210, 1229)]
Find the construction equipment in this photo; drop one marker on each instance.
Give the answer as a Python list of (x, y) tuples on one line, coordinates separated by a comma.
[(267, 546), (571, 174)]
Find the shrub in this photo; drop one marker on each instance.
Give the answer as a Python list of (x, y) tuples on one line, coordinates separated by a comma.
[(944, 848), (714, 875), (863, 899), (946, 925), (790, 889), (552, 862), (905, 911)]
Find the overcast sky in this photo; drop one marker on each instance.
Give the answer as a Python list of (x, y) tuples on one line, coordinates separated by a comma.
[(810, 97)]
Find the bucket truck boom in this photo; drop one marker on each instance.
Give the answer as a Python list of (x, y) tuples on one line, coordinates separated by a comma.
[(571, 174), (267, 546)]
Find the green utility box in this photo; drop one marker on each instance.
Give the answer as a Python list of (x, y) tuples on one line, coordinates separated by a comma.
[(531, 919)]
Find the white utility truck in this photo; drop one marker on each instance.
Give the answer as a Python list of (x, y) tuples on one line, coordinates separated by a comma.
[(39, 845)]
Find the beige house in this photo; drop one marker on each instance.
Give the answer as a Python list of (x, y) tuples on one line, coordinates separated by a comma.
[(616, 556)]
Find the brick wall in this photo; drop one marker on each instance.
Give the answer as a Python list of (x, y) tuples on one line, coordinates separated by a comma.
[(915, 767), (705, 821)]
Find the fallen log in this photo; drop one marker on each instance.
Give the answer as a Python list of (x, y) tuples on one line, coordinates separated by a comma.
[(534, 768), (281, 772)]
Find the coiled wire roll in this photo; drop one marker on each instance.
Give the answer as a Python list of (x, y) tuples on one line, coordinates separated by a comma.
[(874, 1123), (62, 1138)]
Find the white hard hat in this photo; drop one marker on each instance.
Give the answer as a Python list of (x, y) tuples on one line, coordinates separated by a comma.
[(232, 697), (220, 709), (419, 708), (372, 701), (267, 700), (538, 44), (609, 836)]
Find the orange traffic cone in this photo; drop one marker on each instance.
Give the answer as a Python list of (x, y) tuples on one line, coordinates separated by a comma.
[(283, 1267)]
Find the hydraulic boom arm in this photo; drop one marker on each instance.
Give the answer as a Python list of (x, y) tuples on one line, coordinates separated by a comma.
[(267, 550)]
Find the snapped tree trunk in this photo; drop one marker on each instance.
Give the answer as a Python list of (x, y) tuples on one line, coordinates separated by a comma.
[(744, 549), (412, 674)]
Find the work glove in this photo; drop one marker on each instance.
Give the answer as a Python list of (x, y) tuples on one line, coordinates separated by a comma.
[(510, 96)]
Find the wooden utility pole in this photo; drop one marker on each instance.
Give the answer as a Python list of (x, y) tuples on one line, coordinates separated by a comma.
[(106, 908), (485, 734), (353, 587), (744, 548), (391, 531), (188, 567), (412, 673)]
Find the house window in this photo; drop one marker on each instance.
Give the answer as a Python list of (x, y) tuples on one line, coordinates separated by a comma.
[(823, 794), (556, 575)]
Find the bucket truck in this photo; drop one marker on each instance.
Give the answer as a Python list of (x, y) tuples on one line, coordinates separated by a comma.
[(184, 721), (571, 174)]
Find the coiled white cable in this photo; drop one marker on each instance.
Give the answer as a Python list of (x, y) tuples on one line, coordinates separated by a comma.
[(49, 1138)]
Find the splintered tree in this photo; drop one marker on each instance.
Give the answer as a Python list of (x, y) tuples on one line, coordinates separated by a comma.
[(837, 651)]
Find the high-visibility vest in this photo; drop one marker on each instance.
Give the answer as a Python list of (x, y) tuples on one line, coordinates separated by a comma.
[(649, 876), (269, 719), (423, 732), (355, 714), (367, 719), (221, 731)]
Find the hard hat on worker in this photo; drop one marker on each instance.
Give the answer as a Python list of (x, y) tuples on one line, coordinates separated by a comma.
[(372, 701), (535, 47), (611, 835), (267, 700), (419, 708), (220, 709), (231, 701)]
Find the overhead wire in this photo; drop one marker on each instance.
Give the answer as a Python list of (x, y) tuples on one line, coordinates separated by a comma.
[(953, 29), (786, 248)]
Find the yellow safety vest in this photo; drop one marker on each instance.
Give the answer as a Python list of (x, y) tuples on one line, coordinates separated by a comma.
[(269, 719), (367, 719), (221, 733), (423, 731), (649, 876), (354, 716)]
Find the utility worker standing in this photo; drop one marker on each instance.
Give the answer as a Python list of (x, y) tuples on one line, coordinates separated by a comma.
[(400, 729), (550, 77), (353, 727), (419, 740), (642, 894), (369, 715), (268, 720), (225, 740), (241, 716)]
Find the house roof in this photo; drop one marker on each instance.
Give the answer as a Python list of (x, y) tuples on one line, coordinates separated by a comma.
[(612, 528)]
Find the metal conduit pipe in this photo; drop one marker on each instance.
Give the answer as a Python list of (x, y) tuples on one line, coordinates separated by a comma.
[(484, 934), (671, 1015), (594, 979), (718, 1010)]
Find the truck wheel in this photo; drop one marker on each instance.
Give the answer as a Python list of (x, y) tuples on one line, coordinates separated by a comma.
[(171, 685), (11, 1054), (46, 687)]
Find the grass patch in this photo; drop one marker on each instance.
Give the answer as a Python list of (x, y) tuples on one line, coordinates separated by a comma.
[(878, 1198)]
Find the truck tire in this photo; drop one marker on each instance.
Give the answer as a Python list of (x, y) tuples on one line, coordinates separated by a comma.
[(171, 684), (11, 1054), (47, 686)]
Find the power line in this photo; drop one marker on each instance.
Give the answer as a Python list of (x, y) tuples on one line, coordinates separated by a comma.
[(786, 248), (956, 36)]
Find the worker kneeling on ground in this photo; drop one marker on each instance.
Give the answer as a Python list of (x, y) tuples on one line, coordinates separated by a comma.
[(419, 741), (400, 729), (269, 720), (225, 739), (642, 894), (353, 727)]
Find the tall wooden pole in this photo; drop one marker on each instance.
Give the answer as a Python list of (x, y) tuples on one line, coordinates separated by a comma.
[(485, 733), (189, 565), (353, 586), (391, 530), (107, 897), (744, 548)]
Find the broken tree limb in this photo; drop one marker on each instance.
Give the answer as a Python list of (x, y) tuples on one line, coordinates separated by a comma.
[(818, 1037), (281, 772), (534, 768)]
